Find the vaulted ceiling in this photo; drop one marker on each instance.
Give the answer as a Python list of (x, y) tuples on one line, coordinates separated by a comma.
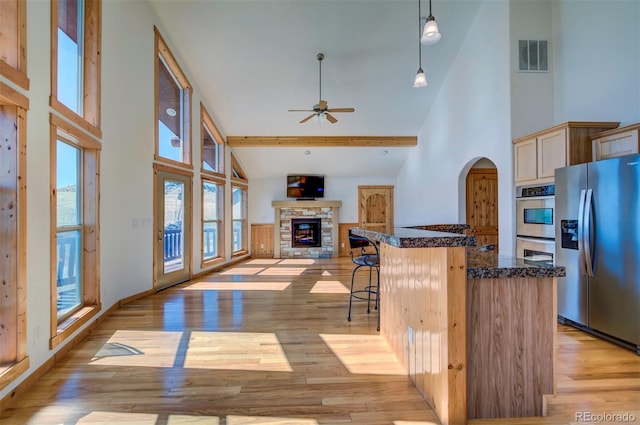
[(252, 61)]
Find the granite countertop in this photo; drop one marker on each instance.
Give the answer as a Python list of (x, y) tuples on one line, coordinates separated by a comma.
[(489, 265), (480, 264), (449, 228), (403, 237)]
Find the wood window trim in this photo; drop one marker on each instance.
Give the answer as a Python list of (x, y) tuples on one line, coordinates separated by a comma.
[(161, 49), (221, 223), (90, 170), (9, 97), (92, 65), (15, 12), (206, 120), (244, 249), (242, 175)]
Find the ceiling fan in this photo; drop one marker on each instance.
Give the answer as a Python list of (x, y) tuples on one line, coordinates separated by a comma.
[(321, 110)]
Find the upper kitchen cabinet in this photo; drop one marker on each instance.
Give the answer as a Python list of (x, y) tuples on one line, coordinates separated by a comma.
[(536, 156), (617, 142)]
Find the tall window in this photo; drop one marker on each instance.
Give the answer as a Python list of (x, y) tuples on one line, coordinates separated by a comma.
[(13, 47), (239, 216), (13, 152), (75, 61), (68, 228), (75, 283), (173, 108), (212, 228), (212, 145)]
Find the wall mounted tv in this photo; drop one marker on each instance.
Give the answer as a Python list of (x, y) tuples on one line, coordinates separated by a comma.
[(305, 186)]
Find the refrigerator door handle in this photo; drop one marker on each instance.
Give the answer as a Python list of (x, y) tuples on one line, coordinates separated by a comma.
[(581, 259), (588, 251)]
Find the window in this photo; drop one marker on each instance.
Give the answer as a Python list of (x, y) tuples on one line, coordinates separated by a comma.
[(212, 220), (75, 283), (239, 216), (75, 61), (13, 48), (173, 108), (13, 214), (212, 145)]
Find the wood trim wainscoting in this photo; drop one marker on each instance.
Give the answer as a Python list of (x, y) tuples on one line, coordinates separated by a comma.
[(343, 238), (267, 341), (262, 240)]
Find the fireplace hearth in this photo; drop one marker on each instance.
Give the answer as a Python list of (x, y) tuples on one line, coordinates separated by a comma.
[(306, 232)]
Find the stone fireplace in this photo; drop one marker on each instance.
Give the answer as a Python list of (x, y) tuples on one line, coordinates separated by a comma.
[(306, 229)]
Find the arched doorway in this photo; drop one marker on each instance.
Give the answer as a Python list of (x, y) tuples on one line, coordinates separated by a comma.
[(482, 202)]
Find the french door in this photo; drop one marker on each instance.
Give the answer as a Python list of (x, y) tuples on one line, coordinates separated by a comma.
[(172, 228)]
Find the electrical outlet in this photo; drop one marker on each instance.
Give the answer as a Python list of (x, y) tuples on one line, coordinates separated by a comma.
[(36, 335), (342, 245), (412, 336), (261, 246)]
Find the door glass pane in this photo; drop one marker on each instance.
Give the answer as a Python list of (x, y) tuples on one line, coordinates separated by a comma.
[(210, 220), (67, 184), (70, 53), (68, 271), (173, 225)]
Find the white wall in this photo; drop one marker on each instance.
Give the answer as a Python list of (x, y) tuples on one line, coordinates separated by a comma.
[(597, 58), (531, 92), (345, 189), (469, 120)]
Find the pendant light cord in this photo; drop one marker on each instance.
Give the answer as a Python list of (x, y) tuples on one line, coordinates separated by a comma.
[(320, 82), (420, 33)]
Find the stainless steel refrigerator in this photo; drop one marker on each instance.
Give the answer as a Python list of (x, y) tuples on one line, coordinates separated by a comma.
[(598, 241)]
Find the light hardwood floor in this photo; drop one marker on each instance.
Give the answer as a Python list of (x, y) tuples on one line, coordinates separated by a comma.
[(267, 342)]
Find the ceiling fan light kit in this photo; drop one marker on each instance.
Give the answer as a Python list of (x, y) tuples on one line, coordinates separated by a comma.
[(321, 111)]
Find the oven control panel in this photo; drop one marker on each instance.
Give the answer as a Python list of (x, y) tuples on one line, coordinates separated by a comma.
[(534, 191)]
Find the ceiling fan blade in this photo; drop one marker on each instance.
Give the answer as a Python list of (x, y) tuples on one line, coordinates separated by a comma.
[(301, 110), (308, 118), (341, 110), (330, 118)]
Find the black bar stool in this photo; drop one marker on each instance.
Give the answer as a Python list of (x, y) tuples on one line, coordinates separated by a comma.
[(362, 257)]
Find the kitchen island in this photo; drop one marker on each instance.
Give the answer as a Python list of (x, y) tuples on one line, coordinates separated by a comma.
[(474, 330)]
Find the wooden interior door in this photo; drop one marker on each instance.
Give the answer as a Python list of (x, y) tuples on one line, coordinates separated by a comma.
[(375, 210), (482, 205)]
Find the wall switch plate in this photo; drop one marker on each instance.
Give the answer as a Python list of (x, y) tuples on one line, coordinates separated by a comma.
[(411, 335)]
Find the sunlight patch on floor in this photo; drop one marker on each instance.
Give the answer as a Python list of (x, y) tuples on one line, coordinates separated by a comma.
[(363, 354), (242, 271), (145, 349), (329, 287), (263, 261), (238, 286), (110, 418), (264, 420), (283, 271), (414, 423), (297, 261), (236, 351), (326, 273)]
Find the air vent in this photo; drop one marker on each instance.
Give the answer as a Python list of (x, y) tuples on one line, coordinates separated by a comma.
[(533, 56)]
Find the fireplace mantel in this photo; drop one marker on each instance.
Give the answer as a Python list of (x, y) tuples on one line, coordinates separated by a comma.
[(284, 210), (306, 204)]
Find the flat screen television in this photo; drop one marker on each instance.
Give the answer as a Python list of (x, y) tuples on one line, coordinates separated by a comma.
[(305, 186)]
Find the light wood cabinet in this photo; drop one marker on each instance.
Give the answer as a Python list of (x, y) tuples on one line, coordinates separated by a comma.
[(617, 142), (536, 156)]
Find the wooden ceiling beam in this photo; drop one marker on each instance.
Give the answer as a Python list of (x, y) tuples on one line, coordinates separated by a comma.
[(306, 141)]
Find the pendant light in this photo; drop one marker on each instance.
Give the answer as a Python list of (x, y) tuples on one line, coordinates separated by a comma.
[(421, 79), (430, 35)]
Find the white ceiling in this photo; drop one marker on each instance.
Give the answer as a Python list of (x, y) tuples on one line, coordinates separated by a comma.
[(252, 60)]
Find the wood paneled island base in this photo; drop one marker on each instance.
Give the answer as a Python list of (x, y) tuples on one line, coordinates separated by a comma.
[(475, 331)]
